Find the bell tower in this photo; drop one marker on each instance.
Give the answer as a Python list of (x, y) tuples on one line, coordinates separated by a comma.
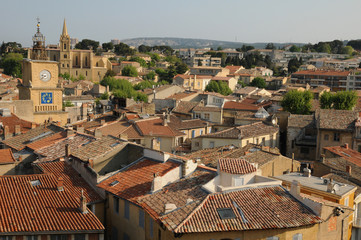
[(40, 83), (65, 56)]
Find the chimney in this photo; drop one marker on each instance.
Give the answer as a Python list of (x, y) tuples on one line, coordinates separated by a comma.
[(17, 129), (155, 144), (322, 158), (80, 129), (295, 188), (67, 150), (124, 136), (102, 122), (60, 185), (69, 132), (348, 169), (346, 145), (165, 121), (98, 133), (6, 132), (306, 172), (91, 163), (33, 125), (330, 185), (168, 207), (83, 209), (157, 183), (188, 167)]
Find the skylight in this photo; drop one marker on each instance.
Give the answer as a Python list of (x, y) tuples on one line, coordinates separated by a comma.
[(40, 136), (35, 183), (114, 183), (226, 213)]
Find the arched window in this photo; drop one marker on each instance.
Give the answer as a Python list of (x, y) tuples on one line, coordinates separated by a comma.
[(65, 56), (64, 46)]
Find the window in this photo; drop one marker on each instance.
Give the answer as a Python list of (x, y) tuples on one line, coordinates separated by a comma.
[(325, 137), (257, 141), (79, 237), (86, 73), (66, 65), (114, 233), (126, 209), (297, 236), (226, 213), (54, 58), (86, 61), (336, 137), (263, 141), (346, 202), (59, 237), (272, 238), (211, 144), (197, 115), (151, 228), (206, 116), (6, 237), (141, 218), (65, 56), (76, 73), (201, 132), (64, 45), (193, 133), (116, 204), (76, 60)]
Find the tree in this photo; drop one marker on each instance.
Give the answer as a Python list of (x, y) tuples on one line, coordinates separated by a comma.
[(297, 102), (108, 46), (326, 100), (342, 100), (270, 46), (355, 44), (294, 64), (138, 96), (181, 68), (219, 48), (123, 49), (67, 103), (65, 75), (294, 48), (347, 50), (87, 44), (219, 87), (81, 77), (139, 60), (258, 82), (12, 64), (143, 48), (150, 76), (104, 96), (110, 73), (200, 63), (130, 71)]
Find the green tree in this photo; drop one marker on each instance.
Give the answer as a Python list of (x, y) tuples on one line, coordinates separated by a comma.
[(294, 48), (104, 96), (219, 87), (138, 96), (347, 50), (143, 48), (297, 102), (326, 100), (200, 63), (67, 103), (345, 100), (258, 82), (81, 77), (130, 71), (87, 44), (12, 64), (270, 46), (65, 75), (181, 68), (123, 49), (109, 46), (294, 64), (219, 48), (139, 60), (110, 73), (150, 76)]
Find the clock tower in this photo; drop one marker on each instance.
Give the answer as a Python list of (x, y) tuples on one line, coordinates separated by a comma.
[(40, 83)]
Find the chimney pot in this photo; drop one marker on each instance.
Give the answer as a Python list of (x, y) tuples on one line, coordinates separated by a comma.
[(67, 150), (102, 122), (346, 145), (83, 209), (17, 129), (98, 133), (306, 172)]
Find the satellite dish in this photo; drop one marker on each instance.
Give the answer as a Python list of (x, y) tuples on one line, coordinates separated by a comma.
[(336, 188), (325, 181)]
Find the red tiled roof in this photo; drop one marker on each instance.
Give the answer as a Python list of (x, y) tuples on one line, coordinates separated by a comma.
[(72, 179), (47, 141), (6, 156), (256, 208), (323, 73), (136, 181), (240, 106), (14, 120), (26, 208), (236, 166), (346, 153), (221, 78), (233, 69), (155, 127)]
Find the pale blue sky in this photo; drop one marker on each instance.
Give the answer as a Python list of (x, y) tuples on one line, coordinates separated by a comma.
[(228, 20)]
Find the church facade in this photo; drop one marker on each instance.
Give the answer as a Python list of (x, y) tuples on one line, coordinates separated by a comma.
[(77, 62)]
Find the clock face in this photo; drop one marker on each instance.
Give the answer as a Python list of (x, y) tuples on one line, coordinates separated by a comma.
[(45, 75)]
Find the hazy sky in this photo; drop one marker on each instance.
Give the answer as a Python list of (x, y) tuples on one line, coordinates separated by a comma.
[(228, 20)]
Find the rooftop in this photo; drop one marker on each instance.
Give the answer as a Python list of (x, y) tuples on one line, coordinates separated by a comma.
[(6, 156), (301, 121), (336, 119), (155, 127), (236, 166), (28, 206), (316, 183), (323, 73), (346, 153)]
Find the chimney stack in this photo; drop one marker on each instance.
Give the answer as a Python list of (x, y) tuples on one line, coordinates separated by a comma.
[(346, 145), (67, 150), (348, 169), (295, 188), (157, 183), (6, 132), (80, 129), (98, 133), (306, 172), (330, 186), (83, 209), (91, 163), (33, 125), (60, 185), (102, 122), (69, 132), (17, 129)]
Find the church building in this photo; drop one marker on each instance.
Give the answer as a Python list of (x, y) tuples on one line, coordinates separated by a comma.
[(77, 62)]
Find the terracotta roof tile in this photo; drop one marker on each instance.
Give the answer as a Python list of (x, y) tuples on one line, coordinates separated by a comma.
[(155, 127), (275, 208), (348, 154), (6, 156), (301, 121), (72, 179), (185, 107), (41, 208), (13, 120), (236, 166), (323, 73), (136, 181), (47, 141), (336, 119)]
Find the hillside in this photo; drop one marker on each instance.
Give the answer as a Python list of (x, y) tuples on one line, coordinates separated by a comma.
[(194, 43)]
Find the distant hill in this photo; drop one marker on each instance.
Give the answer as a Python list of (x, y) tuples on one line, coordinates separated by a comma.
[(195, 43)]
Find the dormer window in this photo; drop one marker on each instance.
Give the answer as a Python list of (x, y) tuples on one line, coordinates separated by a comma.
[(226, 213)]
